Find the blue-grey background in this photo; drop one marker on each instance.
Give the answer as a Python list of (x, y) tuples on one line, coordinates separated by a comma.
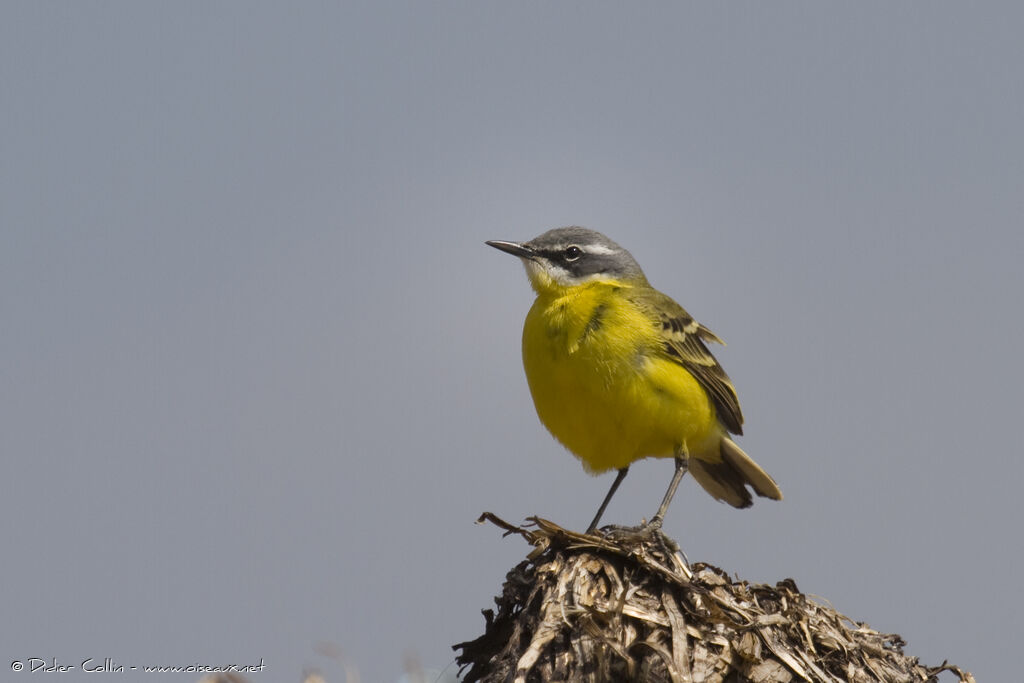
[(260, 373)]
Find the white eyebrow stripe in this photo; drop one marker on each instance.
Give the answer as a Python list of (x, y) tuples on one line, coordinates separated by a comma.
[(597, 249)]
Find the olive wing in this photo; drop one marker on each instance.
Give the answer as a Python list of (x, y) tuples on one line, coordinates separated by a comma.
[(684, 340)]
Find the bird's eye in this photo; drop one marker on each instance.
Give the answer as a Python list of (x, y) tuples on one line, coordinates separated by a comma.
[(572, 253)]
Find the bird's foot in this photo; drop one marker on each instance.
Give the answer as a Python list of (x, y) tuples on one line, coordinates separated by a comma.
[(644, 533), (650, 541)]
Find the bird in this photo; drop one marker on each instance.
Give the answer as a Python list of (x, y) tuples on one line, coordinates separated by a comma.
[(619, 371)]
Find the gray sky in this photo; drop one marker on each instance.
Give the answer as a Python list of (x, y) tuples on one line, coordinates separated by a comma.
[(260, 373)]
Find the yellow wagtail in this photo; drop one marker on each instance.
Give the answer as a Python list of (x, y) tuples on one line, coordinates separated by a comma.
[(619, 371)]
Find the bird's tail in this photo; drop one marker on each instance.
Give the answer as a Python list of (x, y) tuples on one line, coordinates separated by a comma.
[(728, 478)]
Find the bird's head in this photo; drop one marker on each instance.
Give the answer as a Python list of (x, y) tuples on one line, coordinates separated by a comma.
[(567, 257)]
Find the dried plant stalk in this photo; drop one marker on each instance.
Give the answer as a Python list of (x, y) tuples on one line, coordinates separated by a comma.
[(583, 609)]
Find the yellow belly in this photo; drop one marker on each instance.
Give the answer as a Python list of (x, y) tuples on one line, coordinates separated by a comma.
[(606, 391)]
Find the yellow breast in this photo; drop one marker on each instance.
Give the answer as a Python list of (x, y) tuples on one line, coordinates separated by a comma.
[(603, 385)]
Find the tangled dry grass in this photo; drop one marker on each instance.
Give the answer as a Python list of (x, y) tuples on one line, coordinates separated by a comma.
[(626, 607)]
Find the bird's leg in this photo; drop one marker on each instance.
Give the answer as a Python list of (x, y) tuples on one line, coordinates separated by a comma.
[(611, 492), (659, 516)]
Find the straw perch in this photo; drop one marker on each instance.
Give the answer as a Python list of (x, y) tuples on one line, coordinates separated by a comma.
[(628, 608)]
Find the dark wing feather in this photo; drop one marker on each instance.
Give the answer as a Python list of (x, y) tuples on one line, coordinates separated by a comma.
[(684, 341)]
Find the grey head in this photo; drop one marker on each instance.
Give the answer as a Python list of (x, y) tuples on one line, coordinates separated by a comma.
[(570, 256)]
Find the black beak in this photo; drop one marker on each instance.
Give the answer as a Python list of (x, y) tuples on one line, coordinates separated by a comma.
[(514, 248)]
